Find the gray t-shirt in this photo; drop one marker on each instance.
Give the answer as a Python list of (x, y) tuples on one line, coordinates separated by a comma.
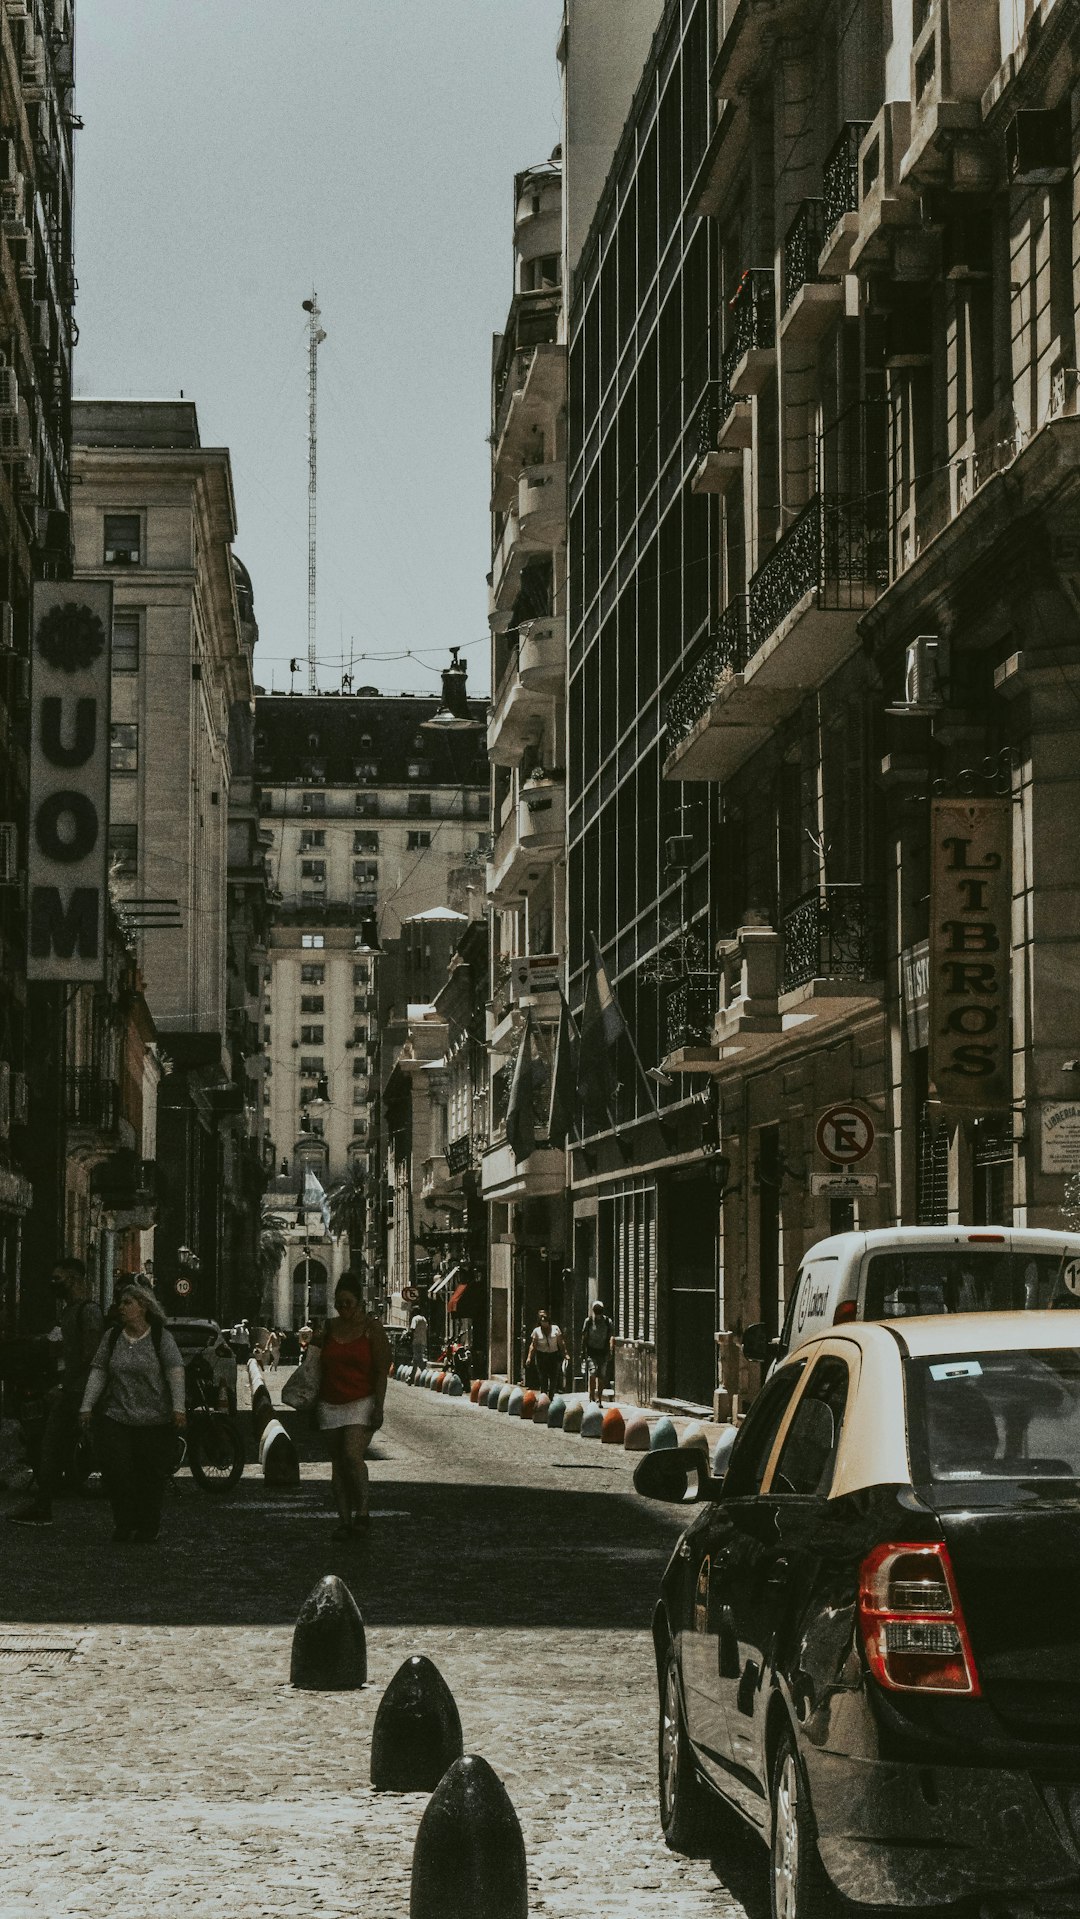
[(137, 1390)]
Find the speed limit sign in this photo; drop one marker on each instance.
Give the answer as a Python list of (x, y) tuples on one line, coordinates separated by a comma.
[(845, 1134), (1070, 1273), (183, 1287), (410, 1295)]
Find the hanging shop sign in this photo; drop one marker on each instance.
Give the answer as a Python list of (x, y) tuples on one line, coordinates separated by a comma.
[(1061, 1136), (969, 955), (67, 866), (915, 973)]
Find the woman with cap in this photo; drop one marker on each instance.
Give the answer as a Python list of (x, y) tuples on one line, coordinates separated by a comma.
[(137, 1383)]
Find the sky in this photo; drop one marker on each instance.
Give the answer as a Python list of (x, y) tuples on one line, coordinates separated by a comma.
[(238, 153)]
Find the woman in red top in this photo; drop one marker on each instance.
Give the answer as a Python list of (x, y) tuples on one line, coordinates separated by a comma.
[(354, 1364)]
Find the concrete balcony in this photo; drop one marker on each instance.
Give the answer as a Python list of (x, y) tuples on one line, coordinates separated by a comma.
[(713, 723), (749, 31), (542, 819), (435, 1181), (720, 465), (541, 1176), (840, 200), (750, 358), (534, 393), (812, 305), (884, 204), (519, 711), (542, 655), (92, 1115), (833, 953), (955, 57), (507, 562), (748, 1016), (542, 506)]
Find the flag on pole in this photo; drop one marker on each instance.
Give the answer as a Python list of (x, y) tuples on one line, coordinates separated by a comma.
[(315, 1197), (563, 1111), (602, 1024), (520, 1121)]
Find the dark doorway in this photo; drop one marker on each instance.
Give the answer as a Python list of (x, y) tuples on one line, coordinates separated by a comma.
[(692, 1217)]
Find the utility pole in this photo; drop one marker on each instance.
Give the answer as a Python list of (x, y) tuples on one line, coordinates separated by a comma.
[(316, 336)]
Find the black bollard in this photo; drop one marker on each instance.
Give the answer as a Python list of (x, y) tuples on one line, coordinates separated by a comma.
[(329, 1650), (417, 1733), (278, 1456), (469, 1857)]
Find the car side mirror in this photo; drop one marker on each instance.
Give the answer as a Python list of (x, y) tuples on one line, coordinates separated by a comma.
[(679, 1476), (759, 1345)]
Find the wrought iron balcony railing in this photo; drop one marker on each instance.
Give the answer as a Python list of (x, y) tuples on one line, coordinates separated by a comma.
[(725, 652), (836, 932), (92, 1101), (459, 1154), (835, 548), (715, 407), (690, 1010), (840, 180), (802, 245), (752, 311)]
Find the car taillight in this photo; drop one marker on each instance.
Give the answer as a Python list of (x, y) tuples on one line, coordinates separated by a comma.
[(848, 1309), (912, 1622)]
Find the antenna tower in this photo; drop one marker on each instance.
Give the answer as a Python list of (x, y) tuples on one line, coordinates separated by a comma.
[(316, 336)]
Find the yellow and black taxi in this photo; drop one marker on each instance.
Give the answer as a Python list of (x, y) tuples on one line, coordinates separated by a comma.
[(868, 1637)]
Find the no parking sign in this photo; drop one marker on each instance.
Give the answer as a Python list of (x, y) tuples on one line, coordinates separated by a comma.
[(845, 1134)]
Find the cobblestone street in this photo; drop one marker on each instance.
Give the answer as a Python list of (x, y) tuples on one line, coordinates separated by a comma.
[(156, 1760)]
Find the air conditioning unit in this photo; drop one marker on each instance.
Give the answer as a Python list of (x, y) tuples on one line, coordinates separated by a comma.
[(20, 1099), (7, 627), (1037, 148), (9, 852), (922, 676)]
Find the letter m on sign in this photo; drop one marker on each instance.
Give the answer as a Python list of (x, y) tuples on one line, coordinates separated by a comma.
[(59, 931)]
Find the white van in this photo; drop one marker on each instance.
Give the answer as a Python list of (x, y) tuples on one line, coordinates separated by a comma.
[(897, 1272)]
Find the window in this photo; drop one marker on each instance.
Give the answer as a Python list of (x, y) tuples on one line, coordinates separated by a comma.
[(312, 836), (359, 1067), (313, 869), (757, 1434), (366, 770), (360, 1093), (415, 841), (266, 1036), (126, 630), (311, 1036), (312, 975), (366, 803), (124, 851), (359, 1127), (365, 842), (123, 539), (312, 1003), (312, 1064), (361, 976), (124, 748), (364, 870), (808, 1455), (418, 770), (309, 940), (360, 1031), (418, 806), (312, 802), (993, 1416), (366, 902)]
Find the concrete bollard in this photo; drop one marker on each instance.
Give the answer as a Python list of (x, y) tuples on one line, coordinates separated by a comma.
[(515, 1402), (474, 1391), (454, 1387), (573, 1416), (278, 1456), (663, 1435), (417, 1732), (556, 1412), (505, 1396), (541, 1410), (437, 1382), (694, 1437), (613, 1427), (262, 1405), (469, 1857), (636, 1436), (592, 1421), (329, 1648), (527, 1408)]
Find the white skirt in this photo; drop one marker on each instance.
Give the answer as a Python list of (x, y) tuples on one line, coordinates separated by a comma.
[(355, 1412)]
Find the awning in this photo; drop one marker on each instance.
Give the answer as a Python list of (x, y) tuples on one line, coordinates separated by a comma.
[(456, 1297), (443, 1284)]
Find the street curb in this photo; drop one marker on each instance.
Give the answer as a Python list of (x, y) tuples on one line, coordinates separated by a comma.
[(711, 1429)]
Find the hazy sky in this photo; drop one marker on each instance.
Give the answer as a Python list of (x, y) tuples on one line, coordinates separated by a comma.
[(235, 153)]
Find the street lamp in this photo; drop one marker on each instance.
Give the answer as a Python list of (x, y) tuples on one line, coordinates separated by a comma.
[(453, 715)]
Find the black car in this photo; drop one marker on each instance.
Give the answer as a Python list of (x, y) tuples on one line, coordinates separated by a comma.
[(868, 1638)]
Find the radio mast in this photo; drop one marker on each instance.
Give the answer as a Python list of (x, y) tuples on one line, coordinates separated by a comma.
[(316, 336)]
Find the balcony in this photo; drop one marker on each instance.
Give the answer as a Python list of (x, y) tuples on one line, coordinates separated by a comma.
[(805, 600), (713, 722), (542, 655), (811, 305), (689, 1012), (518, 711), (542, 506), (92, 1112), (834, 950), (750, 359), (749, 31), (506, 566), (955, 57), (840, 198), (435, 1182), (719, 466), (748, 1017), (884, 203), (542, 818)]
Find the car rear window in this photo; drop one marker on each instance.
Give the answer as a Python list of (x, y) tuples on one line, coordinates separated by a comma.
[(963, 1279), (994, 1418)]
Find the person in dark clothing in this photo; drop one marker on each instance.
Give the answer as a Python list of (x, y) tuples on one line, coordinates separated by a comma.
[(137, 1378), (80, 1329)]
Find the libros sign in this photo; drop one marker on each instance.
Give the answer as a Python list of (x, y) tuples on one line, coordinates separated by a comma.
[(970, 941), (69, 781)]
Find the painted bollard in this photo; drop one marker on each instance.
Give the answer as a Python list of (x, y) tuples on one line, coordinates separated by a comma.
[(515, 1402), (721, 1452), (469, 1857), (592, 1421), (556, 1411), (573, 1416), (528, 1404), (329, 1648), (417, 1732), (278, 1456), (492, 1399), (663, 1434), (613, 1427), (474, 1391), (694, 1437), (541, 1409), (636, 1436), (505, 1395), (454, 1387)]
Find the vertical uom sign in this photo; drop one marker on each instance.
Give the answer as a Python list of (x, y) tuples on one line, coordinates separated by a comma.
[(970, 938), (67, 867)]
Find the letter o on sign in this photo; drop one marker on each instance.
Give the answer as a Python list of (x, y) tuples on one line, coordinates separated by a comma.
[(76, 807)]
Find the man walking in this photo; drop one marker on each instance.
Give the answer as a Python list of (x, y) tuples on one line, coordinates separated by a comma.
[(81, 1326), (547, 1350), (596, 1342)]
